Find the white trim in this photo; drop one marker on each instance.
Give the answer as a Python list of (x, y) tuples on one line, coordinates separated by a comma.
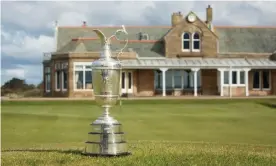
[(182, 43), (196, 50)]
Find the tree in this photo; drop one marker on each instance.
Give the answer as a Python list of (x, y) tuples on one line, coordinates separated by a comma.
[(16, 85)]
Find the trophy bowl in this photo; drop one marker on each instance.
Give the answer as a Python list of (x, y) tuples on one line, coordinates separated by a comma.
[(107, 138)]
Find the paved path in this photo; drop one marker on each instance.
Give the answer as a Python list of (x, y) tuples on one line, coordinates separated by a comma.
[(137, 98)]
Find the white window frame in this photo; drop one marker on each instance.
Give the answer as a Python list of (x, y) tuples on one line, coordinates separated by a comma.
[(47, 72), (189, 40), (83, 64), (238, 78), (261, 80), (126, 80), (196, 50), (62, 80)]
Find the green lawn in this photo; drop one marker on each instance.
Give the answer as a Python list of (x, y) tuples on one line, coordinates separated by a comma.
[(164, 132)]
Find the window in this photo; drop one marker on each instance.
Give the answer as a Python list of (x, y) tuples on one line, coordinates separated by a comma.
[(129, 80), (256, 80), (169, 79), (186, 42), (196, 42), (261, 80), (176, 79), (238, 77), (83, 77), (61, 76), (57, 75), (226, 77), (64, 80), (234, 77), (47, 82), (265, 80), (242, 77)]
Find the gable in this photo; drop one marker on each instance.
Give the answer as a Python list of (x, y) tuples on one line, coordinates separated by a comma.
[(198, 26)]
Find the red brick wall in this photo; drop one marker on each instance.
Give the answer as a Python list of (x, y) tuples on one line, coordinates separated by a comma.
[(209, 82), (144, 82), (236, 91)]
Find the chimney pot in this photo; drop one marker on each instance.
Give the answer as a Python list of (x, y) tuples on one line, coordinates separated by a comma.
[(84, 23)]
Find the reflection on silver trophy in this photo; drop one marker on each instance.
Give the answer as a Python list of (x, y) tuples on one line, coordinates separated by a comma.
[(107, 138)]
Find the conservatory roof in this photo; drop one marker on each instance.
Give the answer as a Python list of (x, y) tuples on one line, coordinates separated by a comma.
[(204, 63)]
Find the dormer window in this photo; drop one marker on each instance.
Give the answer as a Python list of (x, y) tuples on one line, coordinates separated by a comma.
[(196, 42), (186, 41), (143, 36), (190, 43)]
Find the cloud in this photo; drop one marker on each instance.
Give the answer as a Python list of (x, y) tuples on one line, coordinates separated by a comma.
[(23, 46), (28, 27), (30, 73)]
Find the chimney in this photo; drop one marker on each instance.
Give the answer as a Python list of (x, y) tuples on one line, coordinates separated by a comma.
[(84, 23), (209, 14), (176, 18)]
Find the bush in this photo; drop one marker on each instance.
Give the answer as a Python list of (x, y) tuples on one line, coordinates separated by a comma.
[(33, 93)]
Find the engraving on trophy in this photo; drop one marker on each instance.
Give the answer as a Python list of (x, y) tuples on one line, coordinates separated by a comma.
[(104, 75)]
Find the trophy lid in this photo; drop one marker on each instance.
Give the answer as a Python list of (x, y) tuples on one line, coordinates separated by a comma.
[(105, 61)]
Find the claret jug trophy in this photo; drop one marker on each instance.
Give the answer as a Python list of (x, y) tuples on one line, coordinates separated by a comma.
[(107, 137)]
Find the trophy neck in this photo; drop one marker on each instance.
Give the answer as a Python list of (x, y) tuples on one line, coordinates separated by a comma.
[(106, 54)]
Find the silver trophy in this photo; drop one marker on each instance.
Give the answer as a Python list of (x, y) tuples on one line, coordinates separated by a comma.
[(107, 138)]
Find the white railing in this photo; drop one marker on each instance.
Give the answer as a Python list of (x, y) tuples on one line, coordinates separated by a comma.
[(47, 56)]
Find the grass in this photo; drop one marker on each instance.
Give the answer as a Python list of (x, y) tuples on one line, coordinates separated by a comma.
[(166, 132)]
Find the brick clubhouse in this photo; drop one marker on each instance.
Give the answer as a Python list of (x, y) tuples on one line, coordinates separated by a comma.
[(189, 57)]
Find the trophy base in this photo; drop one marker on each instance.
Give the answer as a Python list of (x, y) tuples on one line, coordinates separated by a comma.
[(106, 155), (106, 139)]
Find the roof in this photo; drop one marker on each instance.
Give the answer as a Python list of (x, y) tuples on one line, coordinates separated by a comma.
[(203, 63), (231, 39)]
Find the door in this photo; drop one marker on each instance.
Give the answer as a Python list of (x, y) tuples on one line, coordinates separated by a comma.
[(127, 81)]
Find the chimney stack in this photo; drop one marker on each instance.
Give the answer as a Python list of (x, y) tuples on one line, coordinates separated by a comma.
[(209, 14), (84, 23), (176, 18)]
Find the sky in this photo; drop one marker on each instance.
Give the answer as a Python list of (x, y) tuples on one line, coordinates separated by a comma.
[(27, 28)]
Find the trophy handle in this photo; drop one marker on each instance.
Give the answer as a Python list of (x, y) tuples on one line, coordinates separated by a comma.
[(123, 30)]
